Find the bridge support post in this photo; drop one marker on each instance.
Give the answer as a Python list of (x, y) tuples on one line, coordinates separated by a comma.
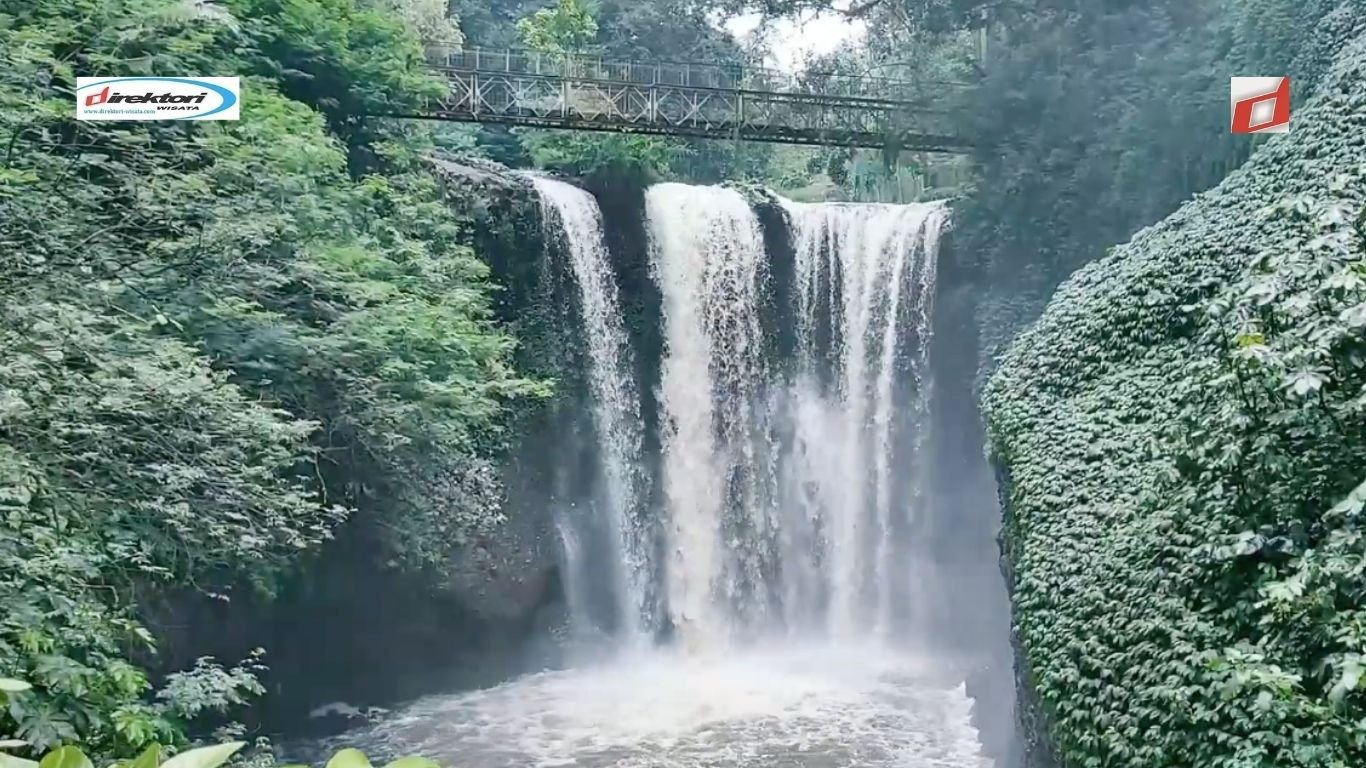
[(891, 152), (739, 115)]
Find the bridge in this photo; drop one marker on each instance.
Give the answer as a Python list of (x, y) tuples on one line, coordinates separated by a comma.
[(585, 92)]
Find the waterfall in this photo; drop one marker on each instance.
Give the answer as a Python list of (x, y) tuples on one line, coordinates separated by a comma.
[(709, 262), (865, 285), (791, 394), (790, 485), (615, 407)]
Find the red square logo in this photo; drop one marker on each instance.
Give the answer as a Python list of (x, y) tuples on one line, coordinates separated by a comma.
[(1259, 104)]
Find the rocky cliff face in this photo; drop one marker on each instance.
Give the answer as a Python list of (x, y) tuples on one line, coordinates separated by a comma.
[(510, 574)]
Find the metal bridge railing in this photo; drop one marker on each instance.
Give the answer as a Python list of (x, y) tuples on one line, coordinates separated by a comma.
[(588, 92), (688, 75)]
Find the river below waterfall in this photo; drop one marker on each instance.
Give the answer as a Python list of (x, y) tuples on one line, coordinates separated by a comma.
[(786, 707), (759, 606)]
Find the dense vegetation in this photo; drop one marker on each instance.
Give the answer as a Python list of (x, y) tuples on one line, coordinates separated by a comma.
[(1100, 118), (1182, 440), (220, 340), (154, 755)]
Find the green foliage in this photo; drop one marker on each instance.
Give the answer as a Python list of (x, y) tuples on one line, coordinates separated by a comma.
[(218, 340), (429, 20), (617, 154), (1182, 440), (150, 755), (567, 26), (210, 756), (1096, 119), (343, 58)]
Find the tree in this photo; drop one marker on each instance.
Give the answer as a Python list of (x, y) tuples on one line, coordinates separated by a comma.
[(565, 27)]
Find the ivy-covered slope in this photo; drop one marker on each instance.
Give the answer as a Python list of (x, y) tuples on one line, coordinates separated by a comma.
[(1180, 437)]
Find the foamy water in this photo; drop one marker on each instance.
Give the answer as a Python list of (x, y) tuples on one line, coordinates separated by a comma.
[(801, 706)]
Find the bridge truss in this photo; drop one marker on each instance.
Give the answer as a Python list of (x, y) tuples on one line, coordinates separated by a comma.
[(527, 88)]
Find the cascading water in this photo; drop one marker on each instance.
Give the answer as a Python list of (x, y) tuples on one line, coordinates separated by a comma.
[(708, 260), (784, 501), (865, 285), (615, 407), (790, 400)]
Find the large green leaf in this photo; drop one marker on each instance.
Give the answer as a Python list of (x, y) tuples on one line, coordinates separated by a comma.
[(349, 758), (149, 758), (10, 685), (205, 757), (66, 757)]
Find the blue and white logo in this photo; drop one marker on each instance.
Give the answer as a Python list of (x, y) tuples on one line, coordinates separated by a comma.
[(158, 98)]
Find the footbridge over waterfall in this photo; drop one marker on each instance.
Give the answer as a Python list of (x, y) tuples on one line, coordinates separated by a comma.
[(585, 92)]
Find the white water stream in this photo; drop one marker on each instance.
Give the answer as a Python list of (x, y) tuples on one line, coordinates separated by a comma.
[(791, 403), (615, 409)]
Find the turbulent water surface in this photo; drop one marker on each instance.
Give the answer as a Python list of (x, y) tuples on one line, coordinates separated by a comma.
[(791, 399), (818, 707)]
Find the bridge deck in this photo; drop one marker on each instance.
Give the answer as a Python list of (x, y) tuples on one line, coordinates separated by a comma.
[(589, 93)]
